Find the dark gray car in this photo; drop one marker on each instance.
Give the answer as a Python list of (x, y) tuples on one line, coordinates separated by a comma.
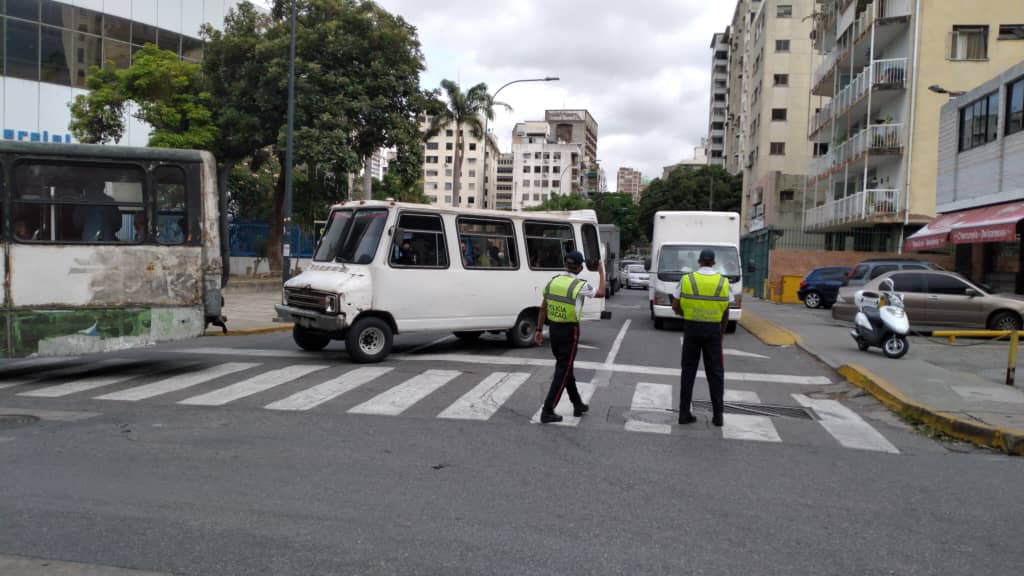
[(868, 270)]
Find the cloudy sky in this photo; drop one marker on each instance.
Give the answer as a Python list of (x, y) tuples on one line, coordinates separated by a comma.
[(642, 67)]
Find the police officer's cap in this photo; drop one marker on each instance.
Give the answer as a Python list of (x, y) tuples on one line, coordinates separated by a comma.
[(574, 258), (707, 255)]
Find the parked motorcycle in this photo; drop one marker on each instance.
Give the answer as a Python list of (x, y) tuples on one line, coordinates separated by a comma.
[(881, 321)]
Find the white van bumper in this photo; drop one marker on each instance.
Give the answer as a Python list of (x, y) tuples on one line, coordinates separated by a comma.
[(666, 312), (311, 319)]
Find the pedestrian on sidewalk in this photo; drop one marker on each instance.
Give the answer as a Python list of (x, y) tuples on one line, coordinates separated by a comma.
[(562, 308), (702, 299)]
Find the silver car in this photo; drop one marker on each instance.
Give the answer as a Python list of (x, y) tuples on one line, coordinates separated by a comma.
[(637, 277)]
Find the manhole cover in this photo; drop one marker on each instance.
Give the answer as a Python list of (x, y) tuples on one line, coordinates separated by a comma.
[(16, 420), (771, 410), (651, 417)]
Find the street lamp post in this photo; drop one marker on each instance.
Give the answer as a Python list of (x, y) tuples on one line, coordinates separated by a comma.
[(492, 98), (289, 156)]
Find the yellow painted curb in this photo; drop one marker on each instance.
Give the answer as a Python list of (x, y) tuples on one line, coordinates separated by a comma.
[(1003, 439), (768, 332), (249, 331)]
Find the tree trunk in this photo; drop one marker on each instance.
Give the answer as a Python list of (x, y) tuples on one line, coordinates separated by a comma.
[(368, 178), (457, 177), (222, 200), (275, 230)]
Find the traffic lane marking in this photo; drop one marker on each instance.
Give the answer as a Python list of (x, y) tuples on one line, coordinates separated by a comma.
[(846, 426)]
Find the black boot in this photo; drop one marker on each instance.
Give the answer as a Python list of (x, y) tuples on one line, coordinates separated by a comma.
[(580, 409), (548, 417)]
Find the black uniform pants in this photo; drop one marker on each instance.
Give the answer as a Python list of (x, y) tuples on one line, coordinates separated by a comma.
[(564, 339), (703, 339)]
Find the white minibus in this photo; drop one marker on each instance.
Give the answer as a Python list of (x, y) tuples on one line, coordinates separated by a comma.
[(676, 243), (384, 268)]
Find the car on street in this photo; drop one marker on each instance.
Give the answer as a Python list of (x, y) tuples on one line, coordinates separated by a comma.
[(868, 270), (936, 299), (821, 286), (625, 264), (637, 277)]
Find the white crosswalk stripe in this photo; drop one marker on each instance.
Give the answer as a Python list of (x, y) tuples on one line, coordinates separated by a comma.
[(400, 398), (846, 426), (484, 400), (253, 385), (321, 393), (650, 397), (748, 426), (176, 383), (565, 407)]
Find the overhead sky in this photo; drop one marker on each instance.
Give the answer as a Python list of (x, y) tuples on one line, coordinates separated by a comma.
[(642, 67)]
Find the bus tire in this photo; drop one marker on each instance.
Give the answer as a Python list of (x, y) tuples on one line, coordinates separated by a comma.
[(522, 333), (369, 340), (310, 340)]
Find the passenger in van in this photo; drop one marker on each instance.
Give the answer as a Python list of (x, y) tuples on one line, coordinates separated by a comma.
[(405, 255), (467, 253), (139, 224), (97, 222)]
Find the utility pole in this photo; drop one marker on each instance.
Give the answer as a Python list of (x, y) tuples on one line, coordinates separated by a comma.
[(289, 155)]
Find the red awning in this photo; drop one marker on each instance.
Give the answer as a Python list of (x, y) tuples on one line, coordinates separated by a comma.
[(996, 223)]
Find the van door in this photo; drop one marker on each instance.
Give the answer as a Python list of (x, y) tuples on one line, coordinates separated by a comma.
[(412, 284)]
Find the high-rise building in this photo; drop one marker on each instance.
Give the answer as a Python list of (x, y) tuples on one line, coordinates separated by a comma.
[(439, 168), (578, 127), (876, 129), (542, 165), (699, 160), (505, 181), (718, 114), (629, 182), (51, 45)]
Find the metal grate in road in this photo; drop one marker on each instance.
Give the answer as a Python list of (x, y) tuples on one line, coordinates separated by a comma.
[(8, 421), (771, 410)]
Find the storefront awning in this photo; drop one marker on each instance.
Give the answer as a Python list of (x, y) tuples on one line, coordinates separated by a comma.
[(996, 223)]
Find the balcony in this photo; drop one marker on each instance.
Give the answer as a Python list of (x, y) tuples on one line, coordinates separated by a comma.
[(877, 139), (888, 74), (889, 9), (862, 207)]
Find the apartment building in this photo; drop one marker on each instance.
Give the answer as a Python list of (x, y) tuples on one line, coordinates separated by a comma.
[(778, 61), (734, 125), (439, 168), (699, 160), (543, 165), (505, 183), (578, 127), (629, 181), (888, 68), (719, 107)]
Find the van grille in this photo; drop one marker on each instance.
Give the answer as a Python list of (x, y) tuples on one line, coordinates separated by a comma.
[(308, 299)]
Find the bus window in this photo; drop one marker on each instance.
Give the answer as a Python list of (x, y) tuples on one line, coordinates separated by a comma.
[(592, 246), (487, 243), (172, 221), (547, 243), (77, 202), (419, 242)]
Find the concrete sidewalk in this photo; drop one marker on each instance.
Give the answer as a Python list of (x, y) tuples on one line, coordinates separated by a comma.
[(956, 390), (249, 307)]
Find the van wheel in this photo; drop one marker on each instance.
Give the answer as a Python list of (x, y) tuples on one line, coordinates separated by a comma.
[(521, 334), (310, 340), (730, 328), (659, 323), (468, 336), (369, 340)]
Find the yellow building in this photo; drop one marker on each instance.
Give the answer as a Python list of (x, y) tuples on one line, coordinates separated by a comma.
[(889, 66)]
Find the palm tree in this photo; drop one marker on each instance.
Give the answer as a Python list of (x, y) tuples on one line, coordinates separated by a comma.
[(463, 109)]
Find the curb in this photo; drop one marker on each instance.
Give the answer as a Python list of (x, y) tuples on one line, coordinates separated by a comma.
[(249, 331), (1003, 439), (768, 332)]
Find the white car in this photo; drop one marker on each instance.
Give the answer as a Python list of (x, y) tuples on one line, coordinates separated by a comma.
[(637, 277)]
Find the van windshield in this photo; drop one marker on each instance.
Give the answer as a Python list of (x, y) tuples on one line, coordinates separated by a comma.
[(352, 236), (674, 261)]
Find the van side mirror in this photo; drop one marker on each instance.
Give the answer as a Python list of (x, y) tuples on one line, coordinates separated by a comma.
[(647, 264)]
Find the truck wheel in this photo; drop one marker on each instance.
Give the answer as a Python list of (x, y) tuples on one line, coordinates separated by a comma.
[(730, 328), (311, 340), (521, 334), (369, 340), (659, 323)]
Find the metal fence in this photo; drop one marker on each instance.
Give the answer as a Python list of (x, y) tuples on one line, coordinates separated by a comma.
[(867, 240), (249, 239)]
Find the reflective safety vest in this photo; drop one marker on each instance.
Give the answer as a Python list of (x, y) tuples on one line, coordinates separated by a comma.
[(560, 295), (704, 298)]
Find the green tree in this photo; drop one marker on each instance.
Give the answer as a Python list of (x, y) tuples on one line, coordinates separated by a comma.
[(464, 109), (687, 189), (392, 186), (562, 203), (619, 209)]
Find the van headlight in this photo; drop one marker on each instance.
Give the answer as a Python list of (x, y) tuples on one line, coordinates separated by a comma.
[(662, 299), (330, 304)]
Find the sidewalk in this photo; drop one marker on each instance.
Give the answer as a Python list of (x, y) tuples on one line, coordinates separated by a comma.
[(956, 390), (249, 307)]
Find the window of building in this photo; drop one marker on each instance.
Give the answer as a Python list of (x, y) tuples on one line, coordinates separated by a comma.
[(168, 40), (526, 183), (472, 200), (784, 11), (718, 125), (979, 121), (472, 185), (143, 34), (526, 156), (471, 160), (1011, 32), (78, 202), (716, 153), (778, 114), (120, 53), (782, 45), (447, 199), (717, 140), (191, 49), (419, 242), (472, 146), (447, 185), (449, 146), (968, 43), (430, 173), (432, 145), (448, 159), (778, 149), (781, 79), (472, 173), (449, 133), (547, 243), (88, 52), (526, 169), (787, 195), (22, 49), (556, 156), (719, 97), (820, 148), (56, 55), (536, 183), (25, 9), (488, 243), (536, 169), (448, 172), (1015, 107), (544, 184), (430, 159)]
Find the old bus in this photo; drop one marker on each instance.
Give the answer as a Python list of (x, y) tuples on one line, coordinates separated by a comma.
[(106, 247), (384, 268)]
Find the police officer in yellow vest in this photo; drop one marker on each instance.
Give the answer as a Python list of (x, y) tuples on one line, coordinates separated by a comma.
[(703, 302), (562, 307)]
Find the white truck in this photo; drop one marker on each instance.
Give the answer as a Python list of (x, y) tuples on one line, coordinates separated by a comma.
[(676, 244)]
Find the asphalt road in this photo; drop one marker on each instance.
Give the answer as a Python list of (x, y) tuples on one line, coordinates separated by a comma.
[(243, 455)]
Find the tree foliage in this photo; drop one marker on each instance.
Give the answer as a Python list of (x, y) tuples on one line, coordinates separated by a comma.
[(561, 203), (619, 209), (394, 187), (687, 189)]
